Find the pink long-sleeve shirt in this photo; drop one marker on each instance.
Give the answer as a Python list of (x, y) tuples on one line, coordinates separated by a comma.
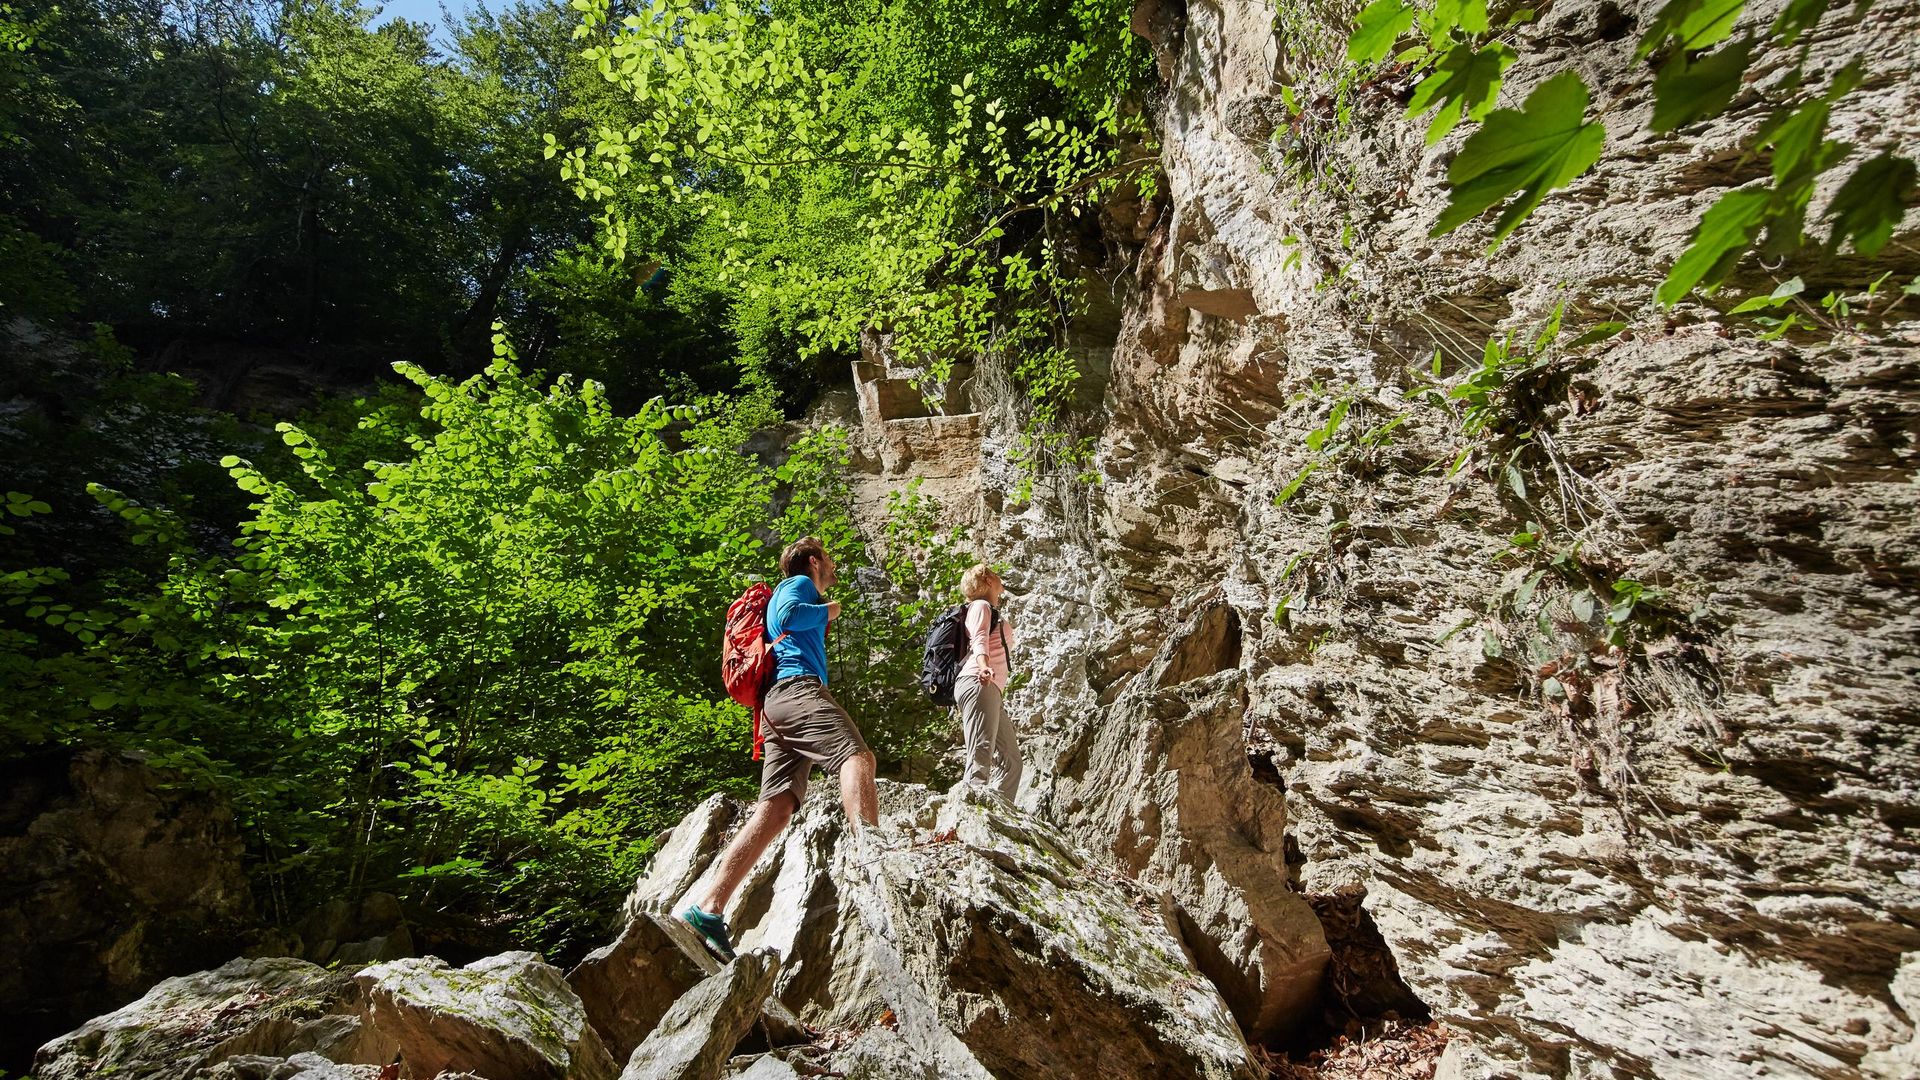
[(987, 646)]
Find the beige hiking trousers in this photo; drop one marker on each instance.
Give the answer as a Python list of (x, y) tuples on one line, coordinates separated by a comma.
[(989, 735)]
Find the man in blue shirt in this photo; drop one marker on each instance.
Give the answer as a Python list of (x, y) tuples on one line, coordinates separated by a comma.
[(805, 727)]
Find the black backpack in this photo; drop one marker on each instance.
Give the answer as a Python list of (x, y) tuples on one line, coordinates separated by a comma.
[(946, 649)]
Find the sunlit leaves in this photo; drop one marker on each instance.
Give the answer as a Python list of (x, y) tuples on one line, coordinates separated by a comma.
[(1690, 25), (1523, 152), (1782, 294), (1798, 17), (1467, 16), (1379, 25), (1463, 85), (1865, 210), (1725, 233)]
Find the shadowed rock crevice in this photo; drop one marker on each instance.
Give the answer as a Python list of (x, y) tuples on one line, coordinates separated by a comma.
[(113, 875), (1362, 990)]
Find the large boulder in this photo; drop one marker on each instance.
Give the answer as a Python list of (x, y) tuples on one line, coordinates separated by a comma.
[(696, 1037), (350, 933), (627, 986), (267, 1007), (682, 856), (1164, 785), (113, 875), (968, 939), (505, 1016), (1044, 962)]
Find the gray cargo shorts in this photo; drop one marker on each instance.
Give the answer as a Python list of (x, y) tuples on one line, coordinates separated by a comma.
[(804, 727)]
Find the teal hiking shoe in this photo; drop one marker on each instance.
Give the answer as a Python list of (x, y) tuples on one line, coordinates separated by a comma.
[(713, 928)]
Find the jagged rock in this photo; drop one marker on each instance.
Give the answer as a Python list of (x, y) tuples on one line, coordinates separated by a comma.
[(305, 1066), (626, 987), (973, 940), (1043, 969), (767, 1067), (882, 1053), (839, 970), (1696, 864), (1164, 783), (113, 875), (696, 1037), (504, 1016), (267, 1007), (682, 856), (675, 875), (394, 945)]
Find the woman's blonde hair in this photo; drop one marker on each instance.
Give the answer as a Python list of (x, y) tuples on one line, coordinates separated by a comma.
[(973, 583)]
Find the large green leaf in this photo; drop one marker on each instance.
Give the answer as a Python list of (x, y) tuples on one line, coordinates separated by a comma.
[(1796, 138), (1463, 84), (1380, 24), (1692, 24), (1467, 16), (1532, 150), (1871, 203), (1688, 90), (1725, 232)]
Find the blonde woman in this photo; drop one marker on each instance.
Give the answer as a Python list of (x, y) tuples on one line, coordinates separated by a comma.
[(993, 751)]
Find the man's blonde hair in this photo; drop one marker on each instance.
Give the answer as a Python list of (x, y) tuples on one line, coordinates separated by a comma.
[(973, 583)]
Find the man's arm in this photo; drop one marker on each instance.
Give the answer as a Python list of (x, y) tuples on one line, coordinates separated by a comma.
[(793, 615)]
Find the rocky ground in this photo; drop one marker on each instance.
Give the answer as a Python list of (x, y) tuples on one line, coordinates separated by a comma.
[(961, 938)]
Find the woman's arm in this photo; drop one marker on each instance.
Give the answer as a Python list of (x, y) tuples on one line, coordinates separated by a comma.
[(979, 626)]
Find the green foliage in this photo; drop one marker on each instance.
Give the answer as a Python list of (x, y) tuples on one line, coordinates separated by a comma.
[(277, 177), (1530, 151), (1548, 143), (843, 188), (1871, 203), (1689, 25), (469, 654), (1838, 313), (1344, 437), (1686, 91), (1464, 85), (1724, 234), (1379, 25)]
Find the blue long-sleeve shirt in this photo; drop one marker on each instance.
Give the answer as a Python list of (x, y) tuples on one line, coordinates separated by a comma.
[(796, 610)]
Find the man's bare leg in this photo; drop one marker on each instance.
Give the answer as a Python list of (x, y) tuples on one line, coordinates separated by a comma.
[(769, 817), (858, 795)]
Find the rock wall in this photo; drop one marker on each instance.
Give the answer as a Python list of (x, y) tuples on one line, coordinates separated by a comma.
[(115, 875), (1688, 856)]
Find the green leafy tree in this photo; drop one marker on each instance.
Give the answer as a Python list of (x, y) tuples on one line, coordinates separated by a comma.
[(844, 188)]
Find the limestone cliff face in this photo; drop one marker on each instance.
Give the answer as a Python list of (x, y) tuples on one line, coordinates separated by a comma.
[(1689, 857)]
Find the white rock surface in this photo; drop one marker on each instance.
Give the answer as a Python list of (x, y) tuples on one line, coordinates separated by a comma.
[(696, 1037), (1701, 863), (269, 1007), (507, 1015), (964, 938)]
